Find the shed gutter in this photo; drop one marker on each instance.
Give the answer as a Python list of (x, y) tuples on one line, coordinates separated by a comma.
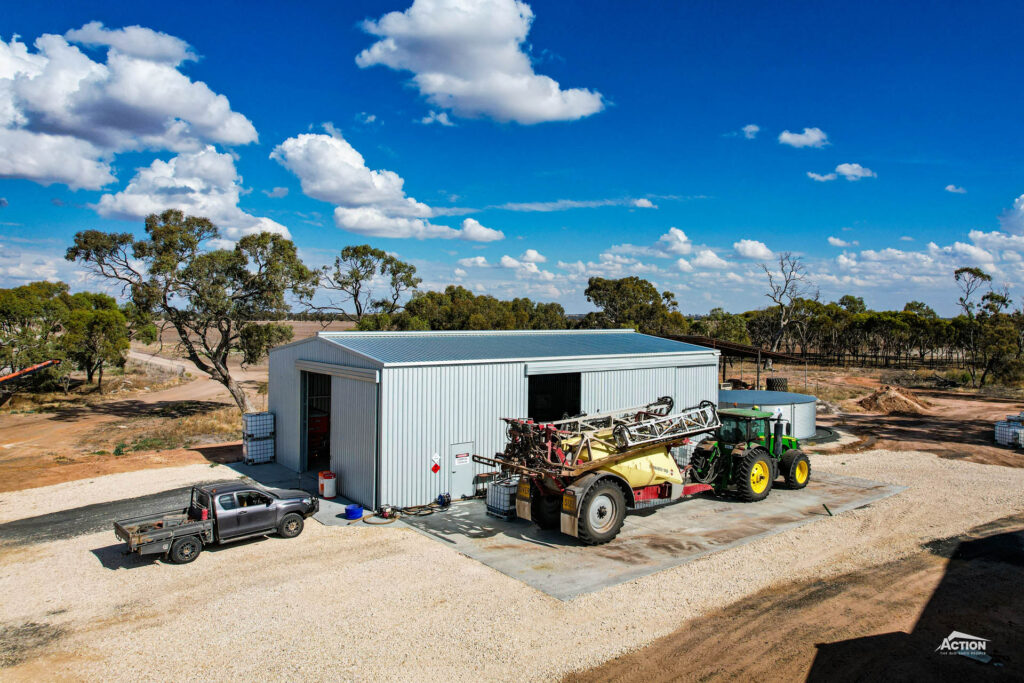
[(669, 358)]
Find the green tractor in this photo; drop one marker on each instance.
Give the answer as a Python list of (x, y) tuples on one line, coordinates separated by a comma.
[(747, 454)]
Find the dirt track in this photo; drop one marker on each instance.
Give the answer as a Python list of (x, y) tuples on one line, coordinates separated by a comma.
[(954, 425), (38, 449)]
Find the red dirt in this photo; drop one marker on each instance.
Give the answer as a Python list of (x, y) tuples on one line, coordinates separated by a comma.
[(38, 449), (953, 425), (880, 623), (893, 400), (43, 471)]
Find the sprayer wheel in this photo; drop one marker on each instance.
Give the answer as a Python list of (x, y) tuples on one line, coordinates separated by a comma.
[(601, 513)]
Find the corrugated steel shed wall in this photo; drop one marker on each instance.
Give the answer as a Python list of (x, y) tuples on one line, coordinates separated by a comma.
[(614, 389), (425, 409), (283, 392), (354, 438)]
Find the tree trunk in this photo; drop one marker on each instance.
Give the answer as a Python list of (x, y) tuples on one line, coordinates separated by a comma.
[(89, 370), (237, 393), (100, 386)]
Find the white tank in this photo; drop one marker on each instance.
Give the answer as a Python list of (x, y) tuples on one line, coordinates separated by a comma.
[(799, 410)]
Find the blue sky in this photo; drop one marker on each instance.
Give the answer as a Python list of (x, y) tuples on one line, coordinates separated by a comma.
[(518, 148)]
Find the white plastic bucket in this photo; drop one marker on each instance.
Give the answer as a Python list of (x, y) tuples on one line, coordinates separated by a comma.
[(328, 484)]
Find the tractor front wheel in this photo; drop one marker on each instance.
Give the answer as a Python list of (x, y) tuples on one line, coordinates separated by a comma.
[(796, 468), (602, 513), (754, 476)]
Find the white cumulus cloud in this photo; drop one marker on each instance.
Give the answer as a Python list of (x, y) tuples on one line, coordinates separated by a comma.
[(203, 183), (532, 256), (706, 258), (675, 242), (466, 56), (855, 171), (474, 262), (368, 202), (136, 41), (837, 242), (752, 249), (64, 116), (955, 189), (750, 131), (1013, 219), (821, 178), (474, 232), (525, 269), (811, 137), (437, 117)]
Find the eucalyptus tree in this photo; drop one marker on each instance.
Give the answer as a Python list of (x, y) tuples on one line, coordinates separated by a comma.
[(219, 301)]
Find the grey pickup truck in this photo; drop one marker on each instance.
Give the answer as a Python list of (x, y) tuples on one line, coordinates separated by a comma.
[(217, 513)]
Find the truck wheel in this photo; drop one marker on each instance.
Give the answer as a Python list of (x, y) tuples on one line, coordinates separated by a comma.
[(186, 549), (602, 513), (754, 476), (546, 511), (291, 525), (796, 468)]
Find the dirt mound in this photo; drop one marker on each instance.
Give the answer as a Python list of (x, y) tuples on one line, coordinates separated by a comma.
[(890, 399)]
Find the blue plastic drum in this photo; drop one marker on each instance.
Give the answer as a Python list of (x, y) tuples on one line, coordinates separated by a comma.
[(353, 511)]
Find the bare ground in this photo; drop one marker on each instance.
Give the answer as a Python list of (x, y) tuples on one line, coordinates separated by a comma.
[(75, 442), (883, 622), (953, 425), (356, 603), (867, 587)]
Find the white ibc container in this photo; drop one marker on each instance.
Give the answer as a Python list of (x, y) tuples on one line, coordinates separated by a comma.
[(501, 497)]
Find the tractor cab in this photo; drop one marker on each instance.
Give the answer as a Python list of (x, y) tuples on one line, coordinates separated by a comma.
[(744, 426)]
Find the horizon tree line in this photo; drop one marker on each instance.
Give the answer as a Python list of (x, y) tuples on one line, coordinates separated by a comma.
[(233, 302)]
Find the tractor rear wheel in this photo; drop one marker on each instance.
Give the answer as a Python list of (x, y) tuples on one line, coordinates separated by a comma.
[(796, 468), (754, 475), (602, 513), (546, 511)]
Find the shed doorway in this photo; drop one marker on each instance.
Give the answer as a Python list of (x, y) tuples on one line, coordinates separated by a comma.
[(553, 397), (316, 428)]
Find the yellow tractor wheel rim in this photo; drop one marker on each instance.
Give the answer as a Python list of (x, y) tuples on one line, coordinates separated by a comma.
[(801, 471), (759, 477)]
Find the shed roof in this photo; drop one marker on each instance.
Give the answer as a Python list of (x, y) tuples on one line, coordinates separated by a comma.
[(468, 347)]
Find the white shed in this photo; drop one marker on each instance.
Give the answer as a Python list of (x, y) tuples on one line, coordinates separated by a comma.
[(381, 409)]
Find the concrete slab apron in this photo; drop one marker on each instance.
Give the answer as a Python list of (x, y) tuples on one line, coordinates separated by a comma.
[(650, 541)]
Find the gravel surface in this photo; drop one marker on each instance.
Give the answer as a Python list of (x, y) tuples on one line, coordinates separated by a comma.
[(60, 497), (362, 603), (90, 519)]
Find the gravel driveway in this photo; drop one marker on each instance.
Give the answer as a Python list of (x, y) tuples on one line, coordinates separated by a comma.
[(385, 603), (89, 519)]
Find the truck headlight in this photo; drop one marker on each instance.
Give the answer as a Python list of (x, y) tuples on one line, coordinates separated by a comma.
[(307, 501)]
